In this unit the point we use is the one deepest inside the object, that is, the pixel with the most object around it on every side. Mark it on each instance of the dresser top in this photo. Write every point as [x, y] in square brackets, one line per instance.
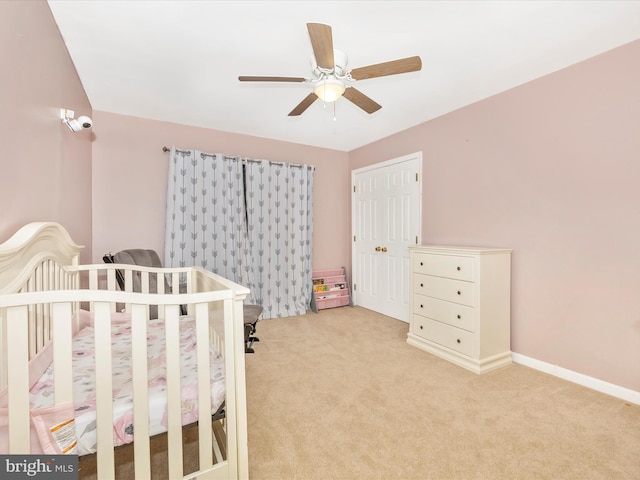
[460, 249]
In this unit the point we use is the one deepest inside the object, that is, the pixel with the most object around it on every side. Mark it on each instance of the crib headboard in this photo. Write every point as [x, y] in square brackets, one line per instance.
[39, 256]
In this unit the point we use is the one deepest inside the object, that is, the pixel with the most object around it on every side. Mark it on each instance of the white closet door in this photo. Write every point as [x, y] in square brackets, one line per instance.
[386, 220]
[368, 221]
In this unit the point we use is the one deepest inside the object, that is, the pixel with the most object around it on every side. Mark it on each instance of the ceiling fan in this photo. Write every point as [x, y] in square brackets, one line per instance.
[330, 74]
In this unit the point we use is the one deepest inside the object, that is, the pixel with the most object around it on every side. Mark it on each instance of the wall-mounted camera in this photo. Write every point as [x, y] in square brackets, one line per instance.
[75, 124]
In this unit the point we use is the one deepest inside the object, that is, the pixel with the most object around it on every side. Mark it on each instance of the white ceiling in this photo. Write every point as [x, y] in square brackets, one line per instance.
[179, 61]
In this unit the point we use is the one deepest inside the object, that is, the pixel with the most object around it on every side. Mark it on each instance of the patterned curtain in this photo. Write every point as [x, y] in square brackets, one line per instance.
[247, 220]
[280, 228]
[206, 217]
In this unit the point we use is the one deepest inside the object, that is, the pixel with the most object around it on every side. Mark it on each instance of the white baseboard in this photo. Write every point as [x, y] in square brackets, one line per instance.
[575, 377]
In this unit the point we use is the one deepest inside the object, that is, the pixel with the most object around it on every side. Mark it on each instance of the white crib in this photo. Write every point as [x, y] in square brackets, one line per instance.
[45, 300]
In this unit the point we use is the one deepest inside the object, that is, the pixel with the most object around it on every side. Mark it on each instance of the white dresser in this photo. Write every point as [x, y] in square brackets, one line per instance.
[460, 305]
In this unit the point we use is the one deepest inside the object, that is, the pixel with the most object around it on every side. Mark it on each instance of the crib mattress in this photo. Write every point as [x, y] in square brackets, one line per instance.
[85, 378]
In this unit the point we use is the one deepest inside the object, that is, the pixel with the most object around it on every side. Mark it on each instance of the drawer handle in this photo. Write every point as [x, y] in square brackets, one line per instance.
[459, 292]
[458, 340]
[421, 327]
[421, 264]
[459, 317]
[422, 284]
[458, 268]
[421, 306]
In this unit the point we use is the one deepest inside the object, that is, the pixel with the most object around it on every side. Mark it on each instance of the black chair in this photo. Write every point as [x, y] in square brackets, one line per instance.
[252, 314]
[145, 258]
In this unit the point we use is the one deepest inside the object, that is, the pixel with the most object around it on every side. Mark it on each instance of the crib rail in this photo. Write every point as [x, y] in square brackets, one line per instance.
[44, 311]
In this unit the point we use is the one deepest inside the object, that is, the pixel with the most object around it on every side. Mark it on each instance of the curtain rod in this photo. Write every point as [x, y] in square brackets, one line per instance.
[165, 149]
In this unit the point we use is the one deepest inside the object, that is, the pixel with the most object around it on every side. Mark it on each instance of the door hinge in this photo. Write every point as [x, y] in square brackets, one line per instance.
[354, 189]
[354, 238]
[354, 287]
[416, 239]
[416, 176]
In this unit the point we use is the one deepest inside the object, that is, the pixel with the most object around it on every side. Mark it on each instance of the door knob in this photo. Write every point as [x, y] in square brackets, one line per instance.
[384, 249]
[378, 249]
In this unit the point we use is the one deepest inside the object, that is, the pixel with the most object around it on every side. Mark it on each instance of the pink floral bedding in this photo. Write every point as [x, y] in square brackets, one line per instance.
[84, 385]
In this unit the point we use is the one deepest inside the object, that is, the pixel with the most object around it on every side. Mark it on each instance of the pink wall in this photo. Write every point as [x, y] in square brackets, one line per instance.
[550, 169]
[46, 169]
[130, 181]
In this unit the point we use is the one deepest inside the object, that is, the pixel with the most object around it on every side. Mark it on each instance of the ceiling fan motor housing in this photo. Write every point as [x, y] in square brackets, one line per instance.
[340, 65]
[340, 61]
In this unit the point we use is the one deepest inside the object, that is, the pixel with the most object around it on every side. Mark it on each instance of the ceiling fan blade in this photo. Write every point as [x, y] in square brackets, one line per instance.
[322, 43]
[361, 100]
[303, 105]
[270, 79]
[404, 65]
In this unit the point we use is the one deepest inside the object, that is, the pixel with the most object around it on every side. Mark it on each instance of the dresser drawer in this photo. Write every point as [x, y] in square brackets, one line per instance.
[451, 337]
[444, 288]
[454, 314]
[449, 266]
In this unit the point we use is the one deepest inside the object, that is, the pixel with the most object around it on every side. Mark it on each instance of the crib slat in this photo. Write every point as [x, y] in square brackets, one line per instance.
[46, 308]
[93, 283]
[93, 279]
[111, 279]
[34, 336]
[62, 359]
[238, 454]
[144, 282]
[204, 388]
[160, 290]
[104, 391]
[33, 345]
[39, 309]
[142, 450]
[18, 377]
[175, 282]
[128, 286]
[174, 408]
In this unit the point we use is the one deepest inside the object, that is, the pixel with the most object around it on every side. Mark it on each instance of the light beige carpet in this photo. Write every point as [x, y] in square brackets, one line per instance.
[340, 395]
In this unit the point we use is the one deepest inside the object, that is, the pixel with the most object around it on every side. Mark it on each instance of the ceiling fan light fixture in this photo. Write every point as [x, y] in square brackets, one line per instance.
[328, 89]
